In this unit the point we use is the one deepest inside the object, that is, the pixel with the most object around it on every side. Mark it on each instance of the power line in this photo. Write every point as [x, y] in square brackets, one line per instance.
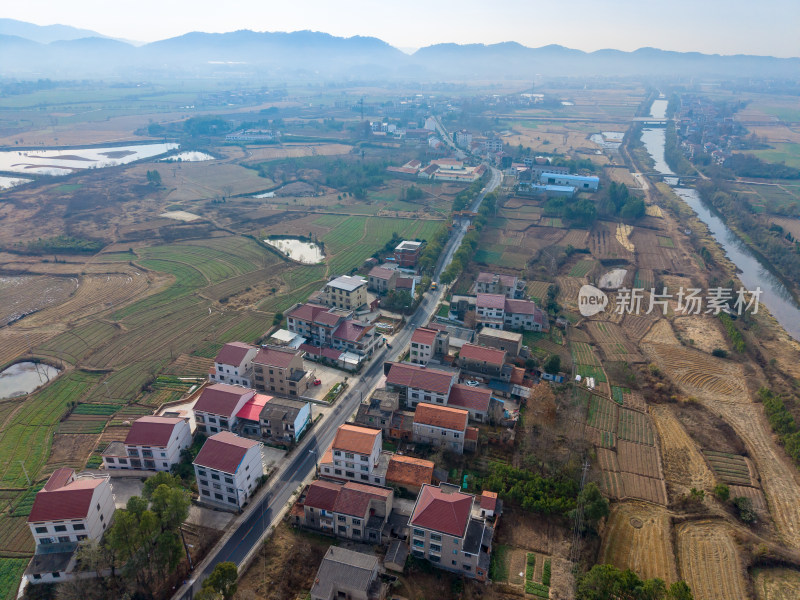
[577, 532]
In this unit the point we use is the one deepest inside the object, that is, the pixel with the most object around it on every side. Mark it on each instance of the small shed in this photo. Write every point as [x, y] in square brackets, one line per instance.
[396, 556]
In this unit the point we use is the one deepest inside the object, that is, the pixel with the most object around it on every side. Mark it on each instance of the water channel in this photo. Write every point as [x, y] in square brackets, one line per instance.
[753, 273]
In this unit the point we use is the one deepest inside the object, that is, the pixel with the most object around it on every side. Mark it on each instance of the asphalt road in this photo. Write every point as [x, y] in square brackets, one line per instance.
[261, 516]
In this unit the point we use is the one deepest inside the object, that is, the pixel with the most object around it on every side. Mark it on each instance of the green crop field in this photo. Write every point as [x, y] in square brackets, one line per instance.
[23, 507]
[27, 437]
[581, 268]
[76, 343]
[95, 409]
[488, 257]
[11, 570]
[591, 371]
[582, 354]
[665, 242]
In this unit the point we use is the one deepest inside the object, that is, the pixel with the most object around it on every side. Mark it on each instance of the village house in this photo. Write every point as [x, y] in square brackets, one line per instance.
[248, 416]
[355, 454]
[406, 253]
[69, 508]
[284, 420]
[227, 469]
[489, 310]
[281, 371]
[417, 384]
[346, 574]
[408, 473]
[482, 360]
[217, 407]
[152, 443]
[524, 314]
[447, 529]
[441, 426]
[478, 402]
[348, 509]
[427, 343]
[508, 341]
[234, 365]
[316, 323]
[507, 285]
[381, 279]
[347, 292]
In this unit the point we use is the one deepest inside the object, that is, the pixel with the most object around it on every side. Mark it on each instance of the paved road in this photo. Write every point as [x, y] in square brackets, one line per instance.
[303, 462]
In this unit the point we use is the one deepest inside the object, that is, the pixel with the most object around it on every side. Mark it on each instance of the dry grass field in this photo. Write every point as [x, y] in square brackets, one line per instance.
[776, 584]
[683, 463]
[709, 561]
[638, 536]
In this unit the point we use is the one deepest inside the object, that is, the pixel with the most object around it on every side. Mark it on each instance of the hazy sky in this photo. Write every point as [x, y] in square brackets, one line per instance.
[710, 26]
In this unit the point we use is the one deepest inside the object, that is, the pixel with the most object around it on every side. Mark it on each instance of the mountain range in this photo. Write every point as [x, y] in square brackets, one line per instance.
[63, 52]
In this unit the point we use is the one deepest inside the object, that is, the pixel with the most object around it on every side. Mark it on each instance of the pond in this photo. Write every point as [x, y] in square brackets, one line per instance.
[305, 252]
[63, 161]
[24, 377]
[188, 156]
[608, 139]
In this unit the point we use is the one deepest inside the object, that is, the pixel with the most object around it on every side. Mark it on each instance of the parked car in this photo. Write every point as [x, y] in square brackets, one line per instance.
[317, 382]
[388, 345]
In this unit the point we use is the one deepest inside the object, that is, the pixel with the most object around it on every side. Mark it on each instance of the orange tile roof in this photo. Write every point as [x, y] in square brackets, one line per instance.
[405, 470]
[492, 356]
[441, 416]
[352, 438]
[423, 335]
[488, 500]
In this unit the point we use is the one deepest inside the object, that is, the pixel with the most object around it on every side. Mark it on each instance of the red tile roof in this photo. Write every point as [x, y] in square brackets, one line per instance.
[59, 500]
[441, 416]
[322, 494]
[488, 500]
[423, 335]
[469, 398]
[381, 273]
[351, 331]
[233, 353]
[517, 375]
[221, 399]
[404, 283]
[352, 438]
[490, 301]
[422, 378]
[328, 318]
[272, 357]
[405, 470]
[520, 307]
[224, 452]
[445, 512]
[492, 356]
[485, 277]
[252, 408]
[306, 312]
[152, 431]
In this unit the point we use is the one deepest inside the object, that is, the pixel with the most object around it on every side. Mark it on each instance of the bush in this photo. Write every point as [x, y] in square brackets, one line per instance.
[722, 492]
[719, 353]
[744, 508]
[546, 573]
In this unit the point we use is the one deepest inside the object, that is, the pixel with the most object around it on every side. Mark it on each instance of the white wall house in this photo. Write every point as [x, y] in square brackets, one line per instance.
[227, 469]
[68, 509]
[355, 455]
[440, 426]
[217, 407]
[234, 364]
[153, 443]
[419, 384]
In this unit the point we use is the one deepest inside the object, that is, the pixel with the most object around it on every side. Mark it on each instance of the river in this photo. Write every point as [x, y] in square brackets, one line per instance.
[753, 273]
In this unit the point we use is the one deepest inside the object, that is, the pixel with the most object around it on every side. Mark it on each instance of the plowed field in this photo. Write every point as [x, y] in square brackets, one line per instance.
[683, 463]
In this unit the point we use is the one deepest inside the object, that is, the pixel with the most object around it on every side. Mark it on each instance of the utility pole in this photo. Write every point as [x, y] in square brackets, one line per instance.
[577, 532]
[24, 470]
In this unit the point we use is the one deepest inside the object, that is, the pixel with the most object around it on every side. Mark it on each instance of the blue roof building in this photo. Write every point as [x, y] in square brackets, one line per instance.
[581, 183]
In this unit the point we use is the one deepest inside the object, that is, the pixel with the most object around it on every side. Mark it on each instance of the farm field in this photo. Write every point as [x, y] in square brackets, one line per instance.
[709, 561]
[20, 295]
[638, 536]
[613, 342]
[683, 462]
[776, 584]
[11, 570]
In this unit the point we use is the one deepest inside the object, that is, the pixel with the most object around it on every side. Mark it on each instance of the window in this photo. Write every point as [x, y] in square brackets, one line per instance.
[434, 558]
[101, 517]
[419, 532]
[60, 528]
[78, 527]
[230, 490]
[37, 576]
[80, 538]
[436, 548]
[205, 492]
[341, 519]
[232, 500]
[435, 537]
[228, 480]
[41, 530]
[98, 506]
[215, 477]
[365, 478]
[364, 468]
[349, 455]
[63, 539]
[456, 435]
[218, 496]
[419, 543]
[357, 532]
[356, 521]
[56, 574]
[467, 568]
[217, 486]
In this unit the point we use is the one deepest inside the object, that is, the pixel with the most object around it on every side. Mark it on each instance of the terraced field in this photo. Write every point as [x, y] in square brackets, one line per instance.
[683, 462]
[637, 536]
[709, 561]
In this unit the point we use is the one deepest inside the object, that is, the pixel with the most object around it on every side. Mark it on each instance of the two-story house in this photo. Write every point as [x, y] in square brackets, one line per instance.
[447, 530]
[441, 426]
[347, 509]
[524, 314]
[347, 292]
[355, 454]
[356, 337]
[490, 310]
[347, 575]
[478, 402]
[234, 364]
[153, 443]
[407, 253]
[381, 279]
[509, 341]
[281, 371]
[481, 360]
[417, 383]
[68, 509]
[249, 416]
[284, 420]
[316, 323]
[217, 407]
[227, 470]
[492, 283]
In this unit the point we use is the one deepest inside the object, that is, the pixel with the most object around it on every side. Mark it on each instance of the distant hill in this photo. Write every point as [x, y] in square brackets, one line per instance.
[44, 34]
[309, 55]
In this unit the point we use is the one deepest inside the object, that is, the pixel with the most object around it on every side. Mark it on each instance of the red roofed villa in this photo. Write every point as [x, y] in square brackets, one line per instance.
[153, 443]
[227, 469]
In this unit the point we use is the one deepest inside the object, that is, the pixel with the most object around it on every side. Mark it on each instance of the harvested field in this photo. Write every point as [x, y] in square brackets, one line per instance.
[582, 354]
[644, 488]
[706, 428]
[638, 536]
[538, 289]
[604, 245]
[71, 451]
[683, 462]
[15, 537]
[638, 459]
[623, 236]
[755, 495]
[709, 561]
[634, 401]
[29, 294]
[613, 343]
[282, 151]
[636, 326]
[16, 341]
[644, 279]
[698, 373]
[568, 288]
[705, 332]
[777, 584]
[577, 238]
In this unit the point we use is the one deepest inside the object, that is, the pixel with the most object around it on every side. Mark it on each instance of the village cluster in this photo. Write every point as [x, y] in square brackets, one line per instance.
[461, 372]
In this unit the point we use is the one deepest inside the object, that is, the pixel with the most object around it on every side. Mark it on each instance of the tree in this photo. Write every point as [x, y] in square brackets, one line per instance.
[722, 492]
[595, 506]
[154, 178]
[606, 582]
[160, 478]
[744, 507]
[679, 591]
[553, 364]
[223, 580]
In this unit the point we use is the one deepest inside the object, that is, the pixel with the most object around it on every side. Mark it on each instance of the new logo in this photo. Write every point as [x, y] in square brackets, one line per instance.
[591, 300]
